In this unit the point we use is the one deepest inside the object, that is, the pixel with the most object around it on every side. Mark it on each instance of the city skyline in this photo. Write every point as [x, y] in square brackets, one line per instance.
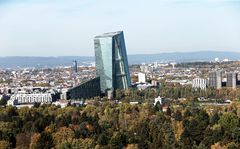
[69, 79]
[61, 28]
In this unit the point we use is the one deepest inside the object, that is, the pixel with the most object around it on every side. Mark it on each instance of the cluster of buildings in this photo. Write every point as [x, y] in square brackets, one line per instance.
[62, 77]
[111, 73]
[216, 80]
[149, 75]
[31, 85]
[112, 70]
[199, 75]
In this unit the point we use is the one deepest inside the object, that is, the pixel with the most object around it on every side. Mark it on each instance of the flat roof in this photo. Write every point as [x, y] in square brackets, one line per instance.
[110, 34]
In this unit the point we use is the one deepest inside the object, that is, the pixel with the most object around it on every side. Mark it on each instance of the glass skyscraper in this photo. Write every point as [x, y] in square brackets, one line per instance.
[111, 61]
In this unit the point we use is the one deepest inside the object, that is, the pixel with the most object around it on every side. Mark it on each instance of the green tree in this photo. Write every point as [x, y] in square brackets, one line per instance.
[169, 111]
[158, 107]
[118, 140]
[178, 115]
[103, 139]
[5, 144]
[187, 113]
[43, 141]
[214, 118]
[230, 122]
[232, 145]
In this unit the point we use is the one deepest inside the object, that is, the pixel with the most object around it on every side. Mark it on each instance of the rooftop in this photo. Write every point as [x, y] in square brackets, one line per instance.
[110, 34]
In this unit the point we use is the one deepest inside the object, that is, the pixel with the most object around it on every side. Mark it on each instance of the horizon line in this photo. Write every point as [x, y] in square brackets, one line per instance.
[127, 54]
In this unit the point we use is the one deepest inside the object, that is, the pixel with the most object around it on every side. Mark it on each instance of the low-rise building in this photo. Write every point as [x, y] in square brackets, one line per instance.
[158, 99]
[61, 103]
[143, 86]
[199, 83]
[141, 78]
[19, 99]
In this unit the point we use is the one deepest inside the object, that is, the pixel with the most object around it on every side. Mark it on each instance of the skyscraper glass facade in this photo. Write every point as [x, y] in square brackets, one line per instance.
[86, 90]
[111, 61]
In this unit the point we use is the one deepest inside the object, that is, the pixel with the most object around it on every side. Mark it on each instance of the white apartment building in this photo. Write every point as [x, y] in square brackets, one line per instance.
[19, 99]
[199, 83]
[141, 78]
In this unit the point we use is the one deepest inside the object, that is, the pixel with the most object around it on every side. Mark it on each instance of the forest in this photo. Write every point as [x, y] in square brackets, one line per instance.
[111, 125]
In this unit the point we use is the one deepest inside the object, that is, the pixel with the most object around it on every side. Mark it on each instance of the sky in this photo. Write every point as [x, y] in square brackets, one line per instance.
[68, 27]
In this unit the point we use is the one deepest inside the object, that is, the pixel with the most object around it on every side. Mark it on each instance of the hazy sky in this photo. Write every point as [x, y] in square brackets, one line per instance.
[67, 27]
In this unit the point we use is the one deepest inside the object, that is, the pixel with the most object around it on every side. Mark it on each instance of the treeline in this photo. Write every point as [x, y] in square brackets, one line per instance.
[116, 126]
[176, 91]
[137, 95]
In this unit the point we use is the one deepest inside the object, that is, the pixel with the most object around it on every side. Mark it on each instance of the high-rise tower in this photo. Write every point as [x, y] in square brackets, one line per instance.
[75, 66]
[232, 79]
[111, 61]
[215, 79]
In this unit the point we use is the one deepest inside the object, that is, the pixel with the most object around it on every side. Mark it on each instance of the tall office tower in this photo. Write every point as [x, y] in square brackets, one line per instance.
[111, 61]
[232, 80]
[75, 66]
[215, 79]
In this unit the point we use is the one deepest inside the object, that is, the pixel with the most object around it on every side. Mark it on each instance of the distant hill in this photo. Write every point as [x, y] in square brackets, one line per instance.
[184, 56]
[15, 62]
